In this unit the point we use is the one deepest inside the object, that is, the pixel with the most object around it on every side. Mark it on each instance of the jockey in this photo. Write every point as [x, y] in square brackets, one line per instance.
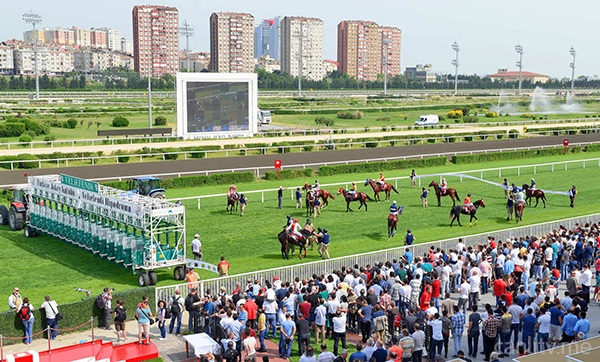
[352, 191]
[394, 209]
[317, 186]
[295, 229]
[532, 185]
[444, 186]
[232, 190]
[311, 191]
[381, 179]
[468, 203]
[521, 197]
[289, 221]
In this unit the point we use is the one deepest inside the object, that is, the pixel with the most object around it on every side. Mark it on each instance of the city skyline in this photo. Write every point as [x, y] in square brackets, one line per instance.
[487, 33]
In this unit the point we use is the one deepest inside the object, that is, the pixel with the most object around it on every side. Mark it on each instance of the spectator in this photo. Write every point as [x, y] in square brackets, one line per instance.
[437, 338]
[280, 196]
[325, 356]
[324, 245]
[120, 314]
[15, 300]
[25, 312]
[342, 357]
[197, 247]
[582, 326]
[419, 338]
[298, 198]
[408, 344]
[107, 299]
[516, 312]
[303, 329]
[262, 329]
[380, 353]
[177, 308]
[223, 267]
[250, 344]
[339, 331]
[504, 331]
[143, 315]
[490, 325]
[473, 331]
[288, 330]
[231, 354]
[458, 325]
[51, 309]
[191, 306]
[359, 355]
[543, 327]
[529, 323]
[409, 238]
[309, 355]
[160, 319]
[365, 321]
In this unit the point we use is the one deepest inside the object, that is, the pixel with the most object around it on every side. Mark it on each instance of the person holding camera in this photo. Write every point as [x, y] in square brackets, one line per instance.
[143, 315]
[120, 314]
[107, 300]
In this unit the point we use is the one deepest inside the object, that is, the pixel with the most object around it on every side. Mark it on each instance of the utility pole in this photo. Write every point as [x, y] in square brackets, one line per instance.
[150, 94]
[300, 39]
[187, 31]
[456, 49]
[519, 50]
[34, 18]
[385, 75]
[574, 54]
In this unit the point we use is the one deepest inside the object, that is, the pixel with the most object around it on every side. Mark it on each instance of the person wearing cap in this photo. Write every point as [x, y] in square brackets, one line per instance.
[324, 245]
[506, 188]
[243, 203]
[532, 187]
[192, 278]
[409, 238]
[468, 204]
[197, 247]
[572, 193]
[317, 207]
[510, 206]
[413, 179]
[317, 185]
[280, 196]
[15, 299]
[298, 198]
[310, 229]
[424, 193]
[223, 267]
[381, 180]
[295, 229]
[394, 209]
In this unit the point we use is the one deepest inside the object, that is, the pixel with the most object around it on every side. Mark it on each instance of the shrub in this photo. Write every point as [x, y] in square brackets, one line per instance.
[122, 158]
[441, 117]
[120, 121]
[12, 129]
[491, 114]
[71, 123]
[160, 121]
[322, 121]
[371, 144]
[25, 138]
[380, 166]
[513, 133]
[455, 114]
[383, 119]
[511, 155]
[350, 115]
[471, 119]
[25, 158]
[282, 147]
[308, 148]
[289, 174]
[526, 115]
[7, 158]
[172, 156]
[50, 138]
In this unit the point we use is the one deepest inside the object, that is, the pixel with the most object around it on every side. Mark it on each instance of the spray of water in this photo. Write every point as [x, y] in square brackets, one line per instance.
[570, 105]
[539, 101]
[503, 105]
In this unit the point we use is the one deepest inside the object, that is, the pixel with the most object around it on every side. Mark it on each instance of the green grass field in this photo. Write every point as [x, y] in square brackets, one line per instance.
[45, 265]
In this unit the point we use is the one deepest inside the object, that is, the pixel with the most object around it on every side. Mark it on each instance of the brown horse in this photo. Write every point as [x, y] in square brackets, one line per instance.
[461, 209]
[287, 241]
[519, 207]
[323, 194]
[386, 187]
[448, 192]
[530, 194]
[359, 196]
[232, 201]
[392, 223]
[310, 203]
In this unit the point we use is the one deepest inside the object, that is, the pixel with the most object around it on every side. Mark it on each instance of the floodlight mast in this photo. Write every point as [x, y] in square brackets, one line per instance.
[572, 65]
[456, 49]
[187, 31]
[34, 18]
[519, 50]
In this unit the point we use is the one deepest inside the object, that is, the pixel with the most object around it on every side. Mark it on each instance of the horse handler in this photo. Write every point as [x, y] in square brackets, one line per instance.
[510, 206]
[572, 194]
[324, 245]
[424, 197]
[243, 203]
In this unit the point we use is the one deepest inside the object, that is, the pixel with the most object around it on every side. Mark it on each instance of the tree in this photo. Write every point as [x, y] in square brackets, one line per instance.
[82, 81]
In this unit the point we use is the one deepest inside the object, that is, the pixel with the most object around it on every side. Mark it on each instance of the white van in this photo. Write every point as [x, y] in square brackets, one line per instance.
[428, 120]
[264, 116]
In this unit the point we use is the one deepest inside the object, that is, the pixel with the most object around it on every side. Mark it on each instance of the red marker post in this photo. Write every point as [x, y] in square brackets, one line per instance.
[277, 167]
[566, 144]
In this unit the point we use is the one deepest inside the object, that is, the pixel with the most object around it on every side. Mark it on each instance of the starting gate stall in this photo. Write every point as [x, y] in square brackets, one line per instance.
[139, 232]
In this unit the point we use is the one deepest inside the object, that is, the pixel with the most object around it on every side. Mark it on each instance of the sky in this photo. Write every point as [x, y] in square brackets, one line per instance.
[486, 31]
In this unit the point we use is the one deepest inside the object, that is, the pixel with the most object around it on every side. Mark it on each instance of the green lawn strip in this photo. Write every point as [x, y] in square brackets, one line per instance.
[45, 265]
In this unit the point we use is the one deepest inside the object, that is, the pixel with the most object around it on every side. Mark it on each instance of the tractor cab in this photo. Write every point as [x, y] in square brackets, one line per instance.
[15, 215]
[147, 186]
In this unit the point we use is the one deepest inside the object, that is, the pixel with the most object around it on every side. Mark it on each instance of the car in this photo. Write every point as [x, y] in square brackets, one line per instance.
[428, 120]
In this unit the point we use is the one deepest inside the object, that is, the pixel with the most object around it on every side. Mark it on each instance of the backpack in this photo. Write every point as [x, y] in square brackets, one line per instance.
[189, 303]
[100, 302]
[121, 314]
[24, 313]
[168, 314]
[175, 307]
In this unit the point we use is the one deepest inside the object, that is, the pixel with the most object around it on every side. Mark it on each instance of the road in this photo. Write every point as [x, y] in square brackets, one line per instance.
[107, 149]
[228, 164]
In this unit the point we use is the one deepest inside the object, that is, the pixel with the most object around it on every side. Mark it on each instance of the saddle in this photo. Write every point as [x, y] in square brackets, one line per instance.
[468, 208]
[354, 196]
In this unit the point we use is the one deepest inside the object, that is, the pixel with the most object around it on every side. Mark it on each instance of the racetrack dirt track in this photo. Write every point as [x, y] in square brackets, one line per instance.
[230, 163]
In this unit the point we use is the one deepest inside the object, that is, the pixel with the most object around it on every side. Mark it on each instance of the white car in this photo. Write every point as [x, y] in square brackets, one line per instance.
[428, 120]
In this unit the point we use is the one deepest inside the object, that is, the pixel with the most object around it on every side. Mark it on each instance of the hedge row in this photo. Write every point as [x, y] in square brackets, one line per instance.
[75, 314]
[288, 174]
[381, 166]
[511, 155]
[382, 109]
[195, 181]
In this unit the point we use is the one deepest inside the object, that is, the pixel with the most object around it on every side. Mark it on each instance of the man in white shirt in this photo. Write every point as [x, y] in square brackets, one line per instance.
[51, 309]
[465, 290]
[586, 282]
[325, 355]
[543, 326]
[474, 283]
[197, 247]
[446, 274]
[339, 331]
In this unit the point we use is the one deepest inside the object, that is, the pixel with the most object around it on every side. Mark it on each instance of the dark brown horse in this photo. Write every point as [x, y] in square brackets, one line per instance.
[287, 240]
[530, 194]
[462, 209]
[359, 196]
[310, 203]
[323, 194]
[386, 187]
[392, 223]
[448, 192]
[232, 201]
[519, 207]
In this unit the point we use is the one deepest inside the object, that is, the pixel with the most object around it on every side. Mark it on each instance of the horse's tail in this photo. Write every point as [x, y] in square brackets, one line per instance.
[456, 194]
[396, 191]
[451, 212]
[368, 198]
[544, 196]
[329, 194]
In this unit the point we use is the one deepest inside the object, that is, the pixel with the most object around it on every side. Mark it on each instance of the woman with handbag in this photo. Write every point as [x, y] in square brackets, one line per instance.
[143, 314]
[160, 319]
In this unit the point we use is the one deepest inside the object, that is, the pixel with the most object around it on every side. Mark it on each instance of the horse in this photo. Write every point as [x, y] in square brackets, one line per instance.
[449, 192]
[392, 223]
[323, 194]
[386, 187]
[538, 194]
[310, 203]
[232, 201]
[461, 209]
[287, 240]
[519, 207]
[359, 196]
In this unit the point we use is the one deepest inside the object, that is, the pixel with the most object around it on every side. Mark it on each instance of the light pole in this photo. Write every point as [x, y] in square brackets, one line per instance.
[386, 42]
[519, 50]
[150, 94]
[34, 18]
[187, 31]
[300, 39]
[456, 48]
[572, 65]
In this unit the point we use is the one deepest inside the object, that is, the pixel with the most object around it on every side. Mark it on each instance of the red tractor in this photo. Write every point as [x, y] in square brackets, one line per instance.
[16, 214]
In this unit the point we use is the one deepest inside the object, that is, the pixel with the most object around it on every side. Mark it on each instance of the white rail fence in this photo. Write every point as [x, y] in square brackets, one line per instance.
[306, 270]
[282, 149]
[553, 165]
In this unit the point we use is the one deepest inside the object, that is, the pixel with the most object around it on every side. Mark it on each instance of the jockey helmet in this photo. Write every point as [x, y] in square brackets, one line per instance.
[469, 195]
[532, 180]
[381, 173]
[288, 217]
[408, 231]
[242, 195]
[308, 221]
[316, 181]
[443, 179]
[295, 220]
[394, 202]
[325, 231]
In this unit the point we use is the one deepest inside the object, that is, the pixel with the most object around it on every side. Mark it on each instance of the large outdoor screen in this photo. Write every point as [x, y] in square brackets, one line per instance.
[217, 106]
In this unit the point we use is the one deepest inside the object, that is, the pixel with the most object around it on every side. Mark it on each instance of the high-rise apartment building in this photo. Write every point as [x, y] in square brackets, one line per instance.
[98, 38]
[126, 46]
[363, 47]
[156, 40]
[113, 38]
[232, 42]
[266, 38]
[83, 37]
[302, 46]
[40, 36]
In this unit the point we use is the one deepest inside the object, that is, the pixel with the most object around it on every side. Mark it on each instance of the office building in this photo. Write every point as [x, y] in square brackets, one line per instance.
[266, 38]
[513, 76]
[421, 73]
[156, 40]
[302, 46]
[232, 42]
